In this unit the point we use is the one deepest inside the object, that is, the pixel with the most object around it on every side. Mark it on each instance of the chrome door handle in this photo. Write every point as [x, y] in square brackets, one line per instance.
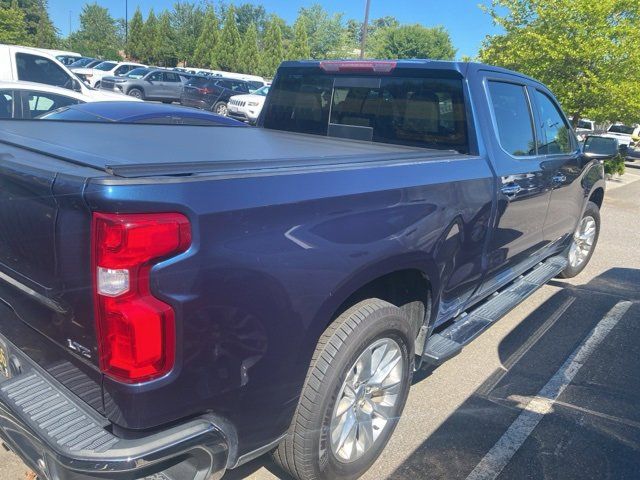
[559, 179]
[511, 190]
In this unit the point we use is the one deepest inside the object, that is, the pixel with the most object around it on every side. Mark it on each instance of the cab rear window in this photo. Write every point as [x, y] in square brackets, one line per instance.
[423, 112]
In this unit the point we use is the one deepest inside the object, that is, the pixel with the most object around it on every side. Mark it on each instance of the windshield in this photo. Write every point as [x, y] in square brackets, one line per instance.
[137, 73]
[105, 66]
[264, 91]
[621, 129]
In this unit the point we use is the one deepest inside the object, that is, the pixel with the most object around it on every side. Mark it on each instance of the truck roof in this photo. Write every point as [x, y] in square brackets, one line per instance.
[463, 69]
[137, 150]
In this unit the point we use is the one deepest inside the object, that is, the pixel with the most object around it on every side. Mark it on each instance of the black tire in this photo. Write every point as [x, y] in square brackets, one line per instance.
[305, 452]
[136, 93]
[220, 108]
[592, 211]
[167, 102]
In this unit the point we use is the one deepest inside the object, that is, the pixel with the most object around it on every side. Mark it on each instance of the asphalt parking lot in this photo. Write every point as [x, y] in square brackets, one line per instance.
[549, 392]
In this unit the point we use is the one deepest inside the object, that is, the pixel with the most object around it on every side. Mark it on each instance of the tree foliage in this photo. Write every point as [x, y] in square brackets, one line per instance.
[167, 52]
[249, 53]
[273, 51]
[327, 35]
[135, 42]
[13, 26]
[98, 33]
[587, 52]
[230, 41]
[150, 39]
[187, 21]
[414, 41]
[299, 48]
[248, 15]
[204, 54]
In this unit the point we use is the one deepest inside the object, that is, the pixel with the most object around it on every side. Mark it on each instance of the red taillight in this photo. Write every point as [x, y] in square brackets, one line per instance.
[351, 66]
[205, 91]
[136, 331]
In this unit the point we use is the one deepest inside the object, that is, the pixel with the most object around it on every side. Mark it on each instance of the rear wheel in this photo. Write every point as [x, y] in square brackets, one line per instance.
[354, 394]
[221, 109]
[584, 242]
[136, 93]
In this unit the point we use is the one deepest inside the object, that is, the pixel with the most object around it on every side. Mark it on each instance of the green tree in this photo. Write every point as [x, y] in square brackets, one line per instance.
[166, 41]
[249, 54]
[414, 41]
[227, 52]
[36, 16]
[187, 22]
[13, 27]
[586, 51]
[204, 55]
[273, 51]
[46, 34]
[299, 48]
[135, 46]
[327, 36]
[248, 14]
[98, 33]
[149, 52]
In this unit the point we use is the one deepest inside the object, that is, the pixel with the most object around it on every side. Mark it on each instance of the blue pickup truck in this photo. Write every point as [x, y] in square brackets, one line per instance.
[178, 300]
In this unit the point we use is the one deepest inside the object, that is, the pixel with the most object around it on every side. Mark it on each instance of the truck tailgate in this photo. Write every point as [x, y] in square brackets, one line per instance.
[45, 283]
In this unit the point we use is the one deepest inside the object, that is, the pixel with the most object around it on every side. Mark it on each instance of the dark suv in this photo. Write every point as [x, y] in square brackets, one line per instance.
[212, 93]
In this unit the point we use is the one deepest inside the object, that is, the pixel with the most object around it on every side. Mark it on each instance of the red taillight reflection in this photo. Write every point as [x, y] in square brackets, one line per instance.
[205, 91]
[136, 331]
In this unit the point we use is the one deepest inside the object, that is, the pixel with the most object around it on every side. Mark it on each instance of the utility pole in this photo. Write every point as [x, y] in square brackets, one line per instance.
[365, 29]
[126, 22]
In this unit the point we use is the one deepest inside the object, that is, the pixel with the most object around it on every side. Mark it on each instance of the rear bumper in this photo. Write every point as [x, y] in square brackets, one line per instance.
[60, 438]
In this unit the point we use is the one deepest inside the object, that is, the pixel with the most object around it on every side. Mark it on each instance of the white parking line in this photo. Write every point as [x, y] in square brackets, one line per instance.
[501, 453]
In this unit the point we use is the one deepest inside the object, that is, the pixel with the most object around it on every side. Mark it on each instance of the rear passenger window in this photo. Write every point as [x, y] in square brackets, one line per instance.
[42, 102]
[556, 136]
[513, 118]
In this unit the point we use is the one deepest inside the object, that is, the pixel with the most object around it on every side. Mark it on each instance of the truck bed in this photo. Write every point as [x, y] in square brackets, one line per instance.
[133, 151]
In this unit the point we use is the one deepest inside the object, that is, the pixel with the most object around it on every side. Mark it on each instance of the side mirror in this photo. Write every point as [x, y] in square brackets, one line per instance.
[601, 148]
[75, 86]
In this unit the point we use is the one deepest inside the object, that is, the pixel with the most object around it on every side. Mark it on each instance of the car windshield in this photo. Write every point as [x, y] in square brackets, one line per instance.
[584, 124]
[137, 73]
[264, 91]
[621, 129]
[105, 66]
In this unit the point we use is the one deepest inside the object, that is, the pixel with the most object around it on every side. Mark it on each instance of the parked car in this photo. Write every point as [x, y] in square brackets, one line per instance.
[93, 76]
[247, 108]
[24, 100]
[585, 127]
[139, 112]
[178, 301]
[149, 84]
[211, 93]
[624, 133]
[85, 62]
[64, 57]
[34, 65]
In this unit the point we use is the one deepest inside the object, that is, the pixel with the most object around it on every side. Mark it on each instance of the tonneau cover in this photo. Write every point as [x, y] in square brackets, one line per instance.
[129, 150]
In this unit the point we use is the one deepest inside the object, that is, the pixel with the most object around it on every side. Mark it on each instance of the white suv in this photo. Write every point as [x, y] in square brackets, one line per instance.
[247, 108]
[93, 76]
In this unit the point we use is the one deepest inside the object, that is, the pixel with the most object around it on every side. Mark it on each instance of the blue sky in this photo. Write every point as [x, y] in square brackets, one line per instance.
[465, 21]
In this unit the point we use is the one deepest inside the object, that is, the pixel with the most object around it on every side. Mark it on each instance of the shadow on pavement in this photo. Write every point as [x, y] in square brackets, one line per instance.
[594, 428]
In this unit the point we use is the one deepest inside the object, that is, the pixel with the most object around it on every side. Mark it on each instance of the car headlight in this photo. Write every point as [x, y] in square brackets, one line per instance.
[253, 104]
